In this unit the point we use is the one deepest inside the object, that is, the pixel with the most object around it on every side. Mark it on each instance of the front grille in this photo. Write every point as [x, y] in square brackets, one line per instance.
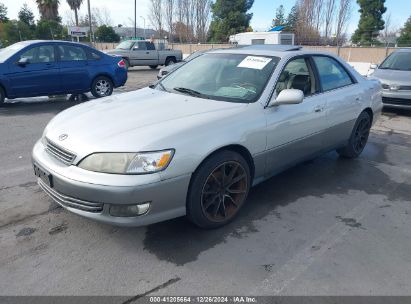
[71, 202]
[60, 153]
[397, 101]
[400, 88]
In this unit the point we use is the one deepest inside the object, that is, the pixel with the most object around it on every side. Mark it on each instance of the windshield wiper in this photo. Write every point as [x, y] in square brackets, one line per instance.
[190, 92]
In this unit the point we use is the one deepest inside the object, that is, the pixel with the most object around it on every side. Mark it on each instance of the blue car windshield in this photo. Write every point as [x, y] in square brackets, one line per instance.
[9, 51]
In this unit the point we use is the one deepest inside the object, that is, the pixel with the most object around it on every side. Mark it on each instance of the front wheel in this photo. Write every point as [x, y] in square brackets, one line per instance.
[218, 190]
[102, 86]
[359, 137]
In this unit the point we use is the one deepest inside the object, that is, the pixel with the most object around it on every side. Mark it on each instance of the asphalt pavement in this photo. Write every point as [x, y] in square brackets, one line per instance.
[325, 227]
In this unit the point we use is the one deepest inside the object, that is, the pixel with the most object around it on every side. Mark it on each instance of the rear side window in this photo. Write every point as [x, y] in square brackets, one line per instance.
[72, 53]
[40, 54]
[93, 55]
[332, 74]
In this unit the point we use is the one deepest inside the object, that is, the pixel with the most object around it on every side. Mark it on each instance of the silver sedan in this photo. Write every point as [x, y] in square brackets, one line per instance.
[395, 75]
[193, 146]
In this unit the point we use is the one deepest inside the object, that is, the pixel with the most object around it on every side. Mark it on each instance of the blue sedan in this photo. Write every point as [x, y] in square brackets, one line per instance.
[41, 68]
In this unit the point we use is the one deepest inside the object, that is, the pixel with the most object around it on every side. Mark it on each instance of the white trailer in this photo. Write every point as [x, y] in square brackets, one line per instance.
[250, 38]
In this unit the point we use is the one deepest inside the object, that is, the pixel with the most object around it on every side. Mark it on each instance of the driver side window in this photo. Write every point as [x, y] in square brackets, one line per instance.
[40, 54]
[297, 74]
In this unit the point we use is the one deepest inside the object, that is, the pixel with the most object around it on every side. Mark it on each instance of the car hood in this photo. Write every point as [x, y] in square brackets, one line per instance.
[392, 76]
[132, 121]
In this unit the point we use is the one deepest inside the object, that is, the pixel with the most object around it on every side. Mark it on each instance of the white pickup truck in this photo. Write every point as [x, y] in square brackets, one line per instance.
[144, 53]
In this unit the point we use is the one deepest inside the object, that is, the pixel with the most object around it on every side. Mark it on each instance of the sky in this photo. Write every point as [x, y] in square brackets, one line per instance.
[121, 11]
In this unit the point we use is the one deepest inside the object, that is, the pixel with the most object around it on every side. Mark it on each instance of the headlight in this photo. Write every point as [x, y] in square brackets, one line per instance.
[127, 163]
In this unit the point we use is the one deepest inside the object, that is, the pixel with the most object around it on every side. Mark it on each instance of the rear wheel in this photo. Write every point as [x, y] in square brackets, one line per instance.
[359, 137]
[2, 96]
[218, 190]
[153, 67]
[102, 86]
[170, 61]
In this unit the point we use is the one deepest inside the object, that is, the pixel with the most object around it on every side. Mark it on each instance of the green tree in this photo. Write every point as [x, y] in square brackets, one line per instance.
[26, 15]
[3, 13]
[229, 17]
[279, 17]
[371, 22]
[106, 33]
[405, 38]
[75, 6]
[50, 30]
[292, 19]
[49, 9]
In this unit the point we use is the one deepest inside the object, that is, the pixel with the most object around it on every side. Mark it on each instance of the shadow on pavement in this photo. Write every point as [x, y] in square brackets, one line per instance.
[28, 107]
[179, 242]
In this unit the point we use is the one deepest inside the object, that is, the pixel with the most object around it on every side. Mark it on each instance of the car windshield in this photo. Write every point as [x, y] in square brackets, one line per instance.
[9, 51]
[125, 45]
[226, 77]
[398, 61]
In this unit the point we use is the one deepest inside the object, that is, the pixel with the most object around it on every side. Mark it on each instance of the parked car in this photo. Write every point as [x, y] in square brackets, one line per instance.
[40, 68]
[144, 53]
[195, 145]
[395, 75]
[168, 69]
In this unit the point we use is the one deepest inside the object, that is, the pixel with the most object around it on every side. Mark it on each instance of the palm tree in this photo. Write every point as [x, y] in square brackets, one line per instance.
[49, 9]
[75, 6]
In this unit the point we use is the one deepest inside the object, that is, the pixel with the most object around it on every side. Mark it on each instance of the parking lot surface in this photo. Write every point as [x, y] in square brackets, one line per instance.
[326, 227]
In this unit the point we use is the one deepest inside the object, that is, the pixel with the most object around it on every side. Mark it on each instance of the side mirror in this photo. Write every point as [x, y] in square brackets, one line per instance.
[23, 62]
[373, 66]
[289, 96]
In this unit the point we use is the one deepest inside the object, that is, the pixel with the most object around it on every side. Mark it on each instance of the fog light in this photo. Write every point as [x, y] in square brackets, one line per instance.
[129, 210]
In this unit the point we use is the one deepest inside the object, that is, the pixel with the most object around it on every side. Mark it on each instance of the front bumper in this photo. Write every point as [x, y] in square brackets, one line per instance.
[397, 99]
[93, 200]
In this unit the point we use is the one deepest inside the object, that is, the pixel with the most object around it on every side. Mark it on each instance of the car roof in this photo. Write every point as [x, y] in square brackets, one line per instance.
[30, 42]
[280, 51]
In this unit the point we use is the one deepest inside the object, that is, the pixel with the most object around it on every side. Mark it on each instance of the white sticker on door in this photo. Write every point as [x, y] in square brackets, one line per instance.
[254, 62]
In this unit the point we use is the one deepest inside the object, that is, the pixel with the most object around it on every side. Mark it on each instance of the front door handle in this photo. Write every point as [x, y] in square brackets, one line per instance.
[147, 53]
[318, 109]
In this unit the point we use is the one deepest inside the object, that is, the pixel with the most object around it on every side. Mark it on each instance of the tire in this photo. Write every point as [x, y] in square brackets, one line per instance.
[78, 98]
[170, 61]
[359, 137]
[210, 204]
[153, 67]
[102, 86]
[2, 96]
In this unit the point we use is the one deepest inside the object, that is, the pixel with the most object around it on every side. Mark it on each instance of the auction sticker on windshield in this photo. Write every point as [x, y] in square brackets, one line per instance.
[253, 62]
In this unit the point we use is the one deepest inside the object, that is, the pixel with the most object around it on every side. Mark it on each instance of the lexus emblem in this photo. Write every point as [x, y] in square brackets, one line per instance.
[63, 137]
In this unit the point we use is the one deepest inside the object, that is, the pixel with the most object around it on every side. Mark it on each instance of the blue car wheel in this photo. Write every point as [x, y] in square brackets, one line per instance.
[102, 86]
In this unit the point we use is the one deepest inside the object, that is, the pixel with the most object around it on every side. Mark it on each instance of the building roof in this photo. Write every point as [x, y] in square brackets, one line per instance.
[278, 28]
